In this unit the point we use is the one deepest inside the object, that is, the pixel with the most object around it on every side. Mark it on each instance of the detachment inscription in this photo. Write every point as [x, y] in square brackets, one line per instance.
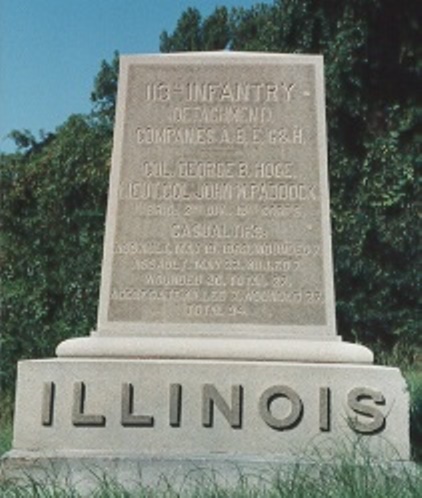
[219, 201]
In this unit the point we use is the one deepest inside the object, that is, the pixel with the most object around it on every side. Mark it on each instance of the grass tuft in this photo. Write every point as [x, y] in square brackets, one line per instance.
[6, 423]
[342, 479]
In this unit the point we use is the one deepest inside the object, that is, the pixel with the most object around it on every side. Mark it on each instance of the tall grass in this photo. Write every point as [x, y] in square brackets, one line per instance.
[6, 422]
[343, 479]
[414, 382]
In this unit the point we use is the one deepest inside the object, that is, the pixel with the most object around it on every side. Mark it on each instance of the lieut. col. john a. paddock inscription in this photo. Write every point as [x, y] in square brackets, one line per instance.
[219, 202]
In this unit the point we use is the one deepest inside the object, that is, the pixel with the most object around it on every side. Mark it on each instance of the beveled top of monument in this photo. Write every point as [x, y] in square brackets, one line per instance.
[218, 215]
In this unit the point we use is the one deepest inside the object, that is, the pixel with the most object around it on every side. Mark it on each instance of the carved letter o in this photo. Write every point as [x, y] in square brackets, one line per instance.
[296, 412]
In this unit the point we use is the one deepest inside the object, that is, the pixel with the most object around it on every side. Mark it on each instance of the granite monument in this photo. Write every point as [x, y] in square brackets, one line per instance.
[216, 333]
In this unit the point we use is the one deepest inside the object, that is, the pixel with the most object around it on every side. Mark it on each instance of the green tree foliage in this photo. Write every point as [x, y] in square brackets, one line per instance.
[53, 206]
[192, 33]
[104, 93]
[23, 139]
[370, 52]
[54, 188]
[187, 36]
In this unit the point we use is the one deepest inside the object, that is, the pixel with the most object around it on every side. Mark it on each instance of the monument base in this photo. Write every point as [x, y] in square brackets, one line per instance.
[184, 408]
[131, 421]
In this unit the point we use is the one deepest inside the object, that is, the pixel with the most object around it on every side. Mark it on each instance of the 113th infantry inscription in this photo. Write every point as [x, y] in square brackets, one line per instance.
[219, 196]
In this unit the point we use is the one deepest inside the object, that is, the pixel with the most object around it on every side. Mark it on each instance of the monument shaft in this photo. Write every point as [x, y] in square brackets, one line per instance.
[219, 200]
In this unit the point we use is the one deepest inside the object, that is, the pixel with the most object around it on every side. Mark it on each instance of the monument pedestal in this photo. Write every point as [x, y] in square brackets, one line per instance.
[147, 420]
[188, 408]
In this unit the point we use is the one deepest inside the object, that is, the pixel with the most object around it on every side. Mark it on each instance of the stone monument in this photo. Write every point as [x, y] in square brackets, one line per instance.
[216, 334]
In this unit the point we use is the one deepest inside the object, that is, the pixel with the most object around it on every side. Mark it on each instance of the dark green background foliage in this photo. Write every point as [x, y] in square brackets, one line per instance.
[53, 206]
[54, 189]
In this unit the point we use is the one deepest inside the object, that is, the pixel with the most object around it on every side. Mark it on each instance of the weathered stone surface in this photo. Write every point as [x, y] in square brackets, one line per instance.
[218, 210]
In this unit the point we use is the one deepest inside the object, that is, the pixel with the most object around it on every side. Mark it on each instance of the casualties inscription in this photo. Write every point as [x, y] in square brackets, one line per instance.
[218, 198]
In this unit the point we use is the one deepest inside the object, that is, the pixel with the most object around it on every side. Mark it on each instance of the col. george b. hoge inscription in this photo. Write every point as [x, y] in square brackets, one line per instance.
[220, 197]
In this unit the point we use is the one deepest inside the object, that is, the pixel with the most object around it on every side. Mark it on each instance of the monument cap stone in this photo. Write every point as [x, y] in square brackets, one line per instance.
[218, 232]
